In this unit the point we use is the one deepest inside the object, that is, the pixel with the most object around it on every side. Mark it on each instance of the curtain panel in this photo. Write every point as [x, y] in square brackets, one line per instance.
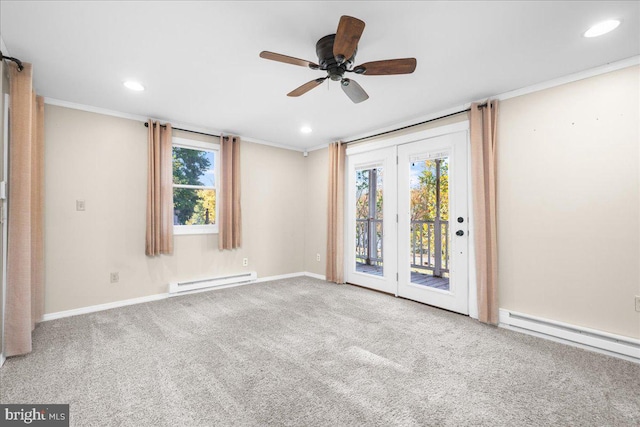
[483, 126]
[335, 213]
[24, 305]
[159, 234]
[229, 224]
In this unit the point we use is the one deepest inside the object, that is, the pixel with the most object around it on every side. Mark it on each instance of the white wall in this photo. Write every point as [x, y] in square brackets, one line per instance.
[568, 203]
[315, 236]
[102, 160]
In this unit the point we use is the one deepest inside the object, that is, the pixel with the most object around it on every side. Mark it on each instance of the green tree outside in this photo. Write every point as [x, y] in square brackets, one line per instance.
[188, 166]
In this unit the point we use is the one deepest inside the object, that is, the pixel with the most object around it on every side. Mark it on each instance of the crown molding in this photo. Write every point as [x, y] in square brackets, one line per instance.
[186, 126]
[570, 78]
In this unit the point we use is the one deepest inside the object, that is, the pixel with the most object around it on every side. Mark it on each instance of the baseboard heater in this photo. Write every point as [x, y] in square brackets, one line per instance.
[595, 339]
[216, 282]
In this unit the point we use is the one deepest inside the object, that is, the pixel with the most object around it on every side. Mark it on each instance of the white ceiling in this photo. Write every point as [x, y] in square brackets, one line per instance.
[200, 66]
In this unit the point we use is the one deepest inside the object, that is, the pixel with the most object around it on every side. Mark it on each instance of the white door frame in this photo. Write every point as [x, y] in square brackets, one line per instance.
[414, 137]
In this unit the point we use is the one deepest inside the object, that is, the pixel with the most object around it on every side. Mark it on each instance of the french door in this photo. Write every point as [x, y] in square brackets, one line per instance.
[371, 236]
[432, 222]
[408, 223]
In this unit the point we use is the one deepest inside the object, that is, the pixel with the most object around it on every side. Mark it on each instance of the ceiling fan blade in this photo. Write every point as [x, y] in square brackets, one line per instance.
[354, 91]
[288, 59]
[347, 37]
[306, 87]
[385, 68]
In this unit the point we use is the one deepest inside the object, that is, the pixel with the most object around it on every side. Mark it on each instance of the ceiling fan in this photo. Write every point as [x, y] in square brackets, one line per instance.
[336, 55]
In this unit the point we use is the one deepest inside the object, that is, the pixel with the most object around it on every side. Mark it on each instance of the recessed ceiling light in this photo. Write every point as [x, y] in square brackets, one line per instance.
[129, 84]
[305, 129]
[602, 28]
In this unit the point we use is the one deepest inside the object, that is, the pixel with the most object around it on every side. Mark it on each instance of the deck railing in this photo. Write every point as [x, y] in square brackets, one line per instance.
[429, 249]
[369, 251]
[429, 241]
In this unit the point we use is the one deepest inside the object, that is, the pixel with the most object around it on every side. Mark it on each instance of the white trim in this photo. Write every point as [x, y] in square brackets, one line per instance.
[98, 110]
[279, 277]
[315, 276]
[318, 147]
[581, 75]
[272, 144]
[2, 359]
[410, 137]
[577, 336]
[186, 230]
[157, 297]
[107, 112]
[102, 307]
[4, 49]
[472, 275]
[195, 144]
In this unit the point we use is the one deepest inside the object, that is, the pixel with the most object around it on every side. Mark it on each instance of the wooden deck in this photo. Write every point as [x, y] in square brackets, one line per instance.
[416, 278]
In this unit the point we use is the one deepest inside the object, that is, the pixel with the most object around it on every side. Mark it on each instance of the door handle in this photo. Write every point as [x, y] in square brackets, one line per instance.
[459, 233]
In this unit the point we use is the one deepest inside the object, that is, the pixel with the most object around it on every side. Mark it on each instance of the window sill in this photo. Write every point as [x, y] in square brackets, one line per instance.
[179, 230]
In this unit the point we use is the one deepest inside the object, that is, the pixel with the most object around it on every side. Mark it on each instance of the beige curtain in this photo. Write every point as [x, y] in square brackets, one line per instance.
[483, 121]
[159, 238]
[335, 213]
[25, 253]
[229, 223]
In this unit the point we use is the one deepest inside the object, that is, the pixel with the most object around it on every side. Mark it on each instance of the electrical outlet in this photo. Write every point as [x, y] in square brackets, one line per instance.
[245, 262]
[115, 277]
[318, 257]
[638, 303]
[79, 205]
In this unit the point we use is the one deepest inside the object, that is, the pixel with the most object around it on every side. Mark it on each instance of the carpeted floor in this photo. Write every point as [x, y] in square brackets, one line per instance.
[303, 352]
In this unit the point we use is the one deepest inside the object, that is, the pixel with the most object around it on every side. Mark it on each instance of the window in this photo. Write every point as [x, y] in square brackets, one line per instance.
[195, 179]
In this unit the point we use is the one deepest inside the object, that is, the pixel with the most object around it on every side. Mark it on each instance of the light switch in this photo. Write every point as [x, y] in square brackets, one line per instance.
[79, 205]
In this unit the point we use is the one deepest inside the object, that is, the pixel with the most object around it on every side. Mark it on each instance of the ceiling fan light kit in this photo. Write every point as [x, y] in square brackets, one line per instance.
[336, 55]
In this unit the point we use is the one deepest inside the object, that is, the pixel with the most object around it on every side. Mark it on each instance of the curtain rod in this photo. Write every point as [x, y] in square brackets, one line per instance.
[16, 60]
[415, 124]
[146, 124]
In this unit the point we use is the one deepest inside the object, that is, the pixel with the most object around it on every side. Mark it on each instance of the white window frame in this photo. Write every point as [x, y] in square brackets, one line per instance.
[202, 146]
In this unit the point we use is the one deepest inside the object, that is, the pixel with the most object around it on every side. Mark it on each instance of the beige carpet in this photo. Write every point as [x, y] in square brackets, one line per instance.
[303, 352]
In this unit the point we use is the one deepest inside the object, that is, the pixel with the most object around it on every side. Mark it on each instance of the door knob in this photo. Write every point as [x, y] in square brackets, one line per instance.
[459, 233]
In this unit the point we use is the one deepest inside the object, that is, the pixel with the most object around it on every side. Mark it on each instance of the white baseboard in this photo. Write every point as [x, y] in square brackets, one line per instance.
[157, 297]
[279, 277]
[2, 359]
[577, 336]
[102, 307]
[315, 276]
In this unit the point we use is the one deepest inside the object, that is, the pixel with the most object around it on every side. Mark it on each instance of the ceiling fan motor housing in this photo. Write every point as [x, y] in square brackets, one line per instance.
[324, 50]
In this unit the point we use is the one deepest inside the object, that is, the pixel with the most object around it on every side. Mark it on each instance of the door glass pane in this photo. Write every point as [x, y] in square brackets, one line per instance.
[429, 252]
[369, 251]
